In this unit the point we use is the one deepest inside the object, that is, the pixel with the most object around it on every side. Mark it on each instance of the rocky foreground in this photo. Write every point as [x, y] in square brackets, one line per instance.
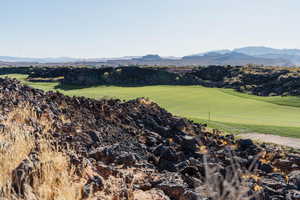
[132, 150]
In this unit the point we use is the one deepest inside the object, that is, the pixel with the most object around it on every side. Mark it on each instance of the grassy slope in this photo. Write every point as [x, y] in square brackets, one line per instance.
[251, 128]
[285, 101]
[229, 110]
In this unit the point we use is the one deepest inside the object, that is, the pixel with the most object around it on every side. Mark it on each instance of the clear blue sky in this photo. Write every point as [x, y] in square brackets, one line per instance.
[113, 28]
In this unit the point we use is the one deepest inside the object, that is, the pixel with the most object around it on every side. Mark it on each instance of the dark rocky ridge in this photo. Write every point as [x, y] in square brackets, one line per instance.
[139, 134]
[262, 81]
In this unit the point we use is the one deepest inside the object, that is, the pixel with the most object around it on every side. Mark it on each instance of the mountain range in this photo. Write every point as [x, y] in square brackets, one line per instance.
[240, 56]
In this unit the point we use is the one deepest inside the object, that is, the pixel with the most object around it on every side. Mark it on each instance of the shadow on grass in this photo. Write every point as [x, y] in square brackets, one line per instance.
[67, 87]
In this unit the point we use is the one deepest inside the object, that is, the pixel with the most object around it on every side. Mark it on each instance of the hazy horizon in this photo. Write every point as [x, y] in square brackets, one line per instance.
[124, 56]
[98, 29]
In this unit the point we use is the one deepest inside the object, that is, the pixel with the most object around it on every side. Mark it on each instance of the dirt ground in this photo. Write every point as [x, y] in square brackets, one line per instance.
[280, 140]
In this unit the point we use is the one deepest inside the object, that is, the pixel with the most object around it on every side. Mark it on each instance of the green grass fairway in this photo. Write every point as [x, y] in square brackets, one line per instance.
[229, 110]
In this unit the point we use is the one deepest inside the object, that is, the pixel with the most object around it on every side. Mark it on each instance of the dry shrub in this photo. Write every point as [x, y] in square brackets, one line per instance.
[52, 179]
[56, 178]
[25, 116]
[14, 148]
[232, 186]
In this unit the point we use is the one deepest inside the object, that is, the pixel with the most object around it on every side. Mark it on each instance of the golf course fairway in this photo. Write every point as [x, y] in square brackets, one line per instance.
[221, 108]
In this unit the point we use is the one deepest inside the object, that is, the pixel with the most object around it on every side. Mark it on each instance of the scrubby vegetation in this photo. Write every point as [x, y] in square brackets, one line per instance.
[32, 168]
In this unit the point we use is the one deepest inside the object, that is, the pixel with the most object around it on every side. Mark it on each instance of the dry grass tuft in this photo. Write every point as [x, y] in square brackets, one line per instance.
[56, 178]
[232, 186]
[52, 177]
[14, 148]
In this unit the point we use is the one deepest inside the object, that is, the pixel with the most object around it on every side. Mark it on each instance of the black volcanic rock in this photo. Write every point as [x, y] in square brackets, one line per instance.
[175, 155]
[262, 81]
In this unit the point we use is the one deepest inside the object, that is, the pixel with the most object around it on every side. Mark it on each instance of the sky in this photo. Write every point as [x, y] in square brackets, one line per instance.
[115, 28]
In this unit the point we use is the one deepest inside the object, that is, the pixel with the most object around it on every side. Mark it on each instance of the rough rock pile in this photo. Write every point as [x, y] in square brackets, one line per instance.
[131, 76]
[137, 150]
[37, 72]
[261, 81]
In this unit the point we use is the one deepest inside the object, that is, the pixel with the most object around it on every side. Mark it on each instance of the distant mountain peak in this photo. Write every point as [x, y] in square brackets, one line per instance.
[222, 51]
[261, 55]
[262, 50]
[150, 57]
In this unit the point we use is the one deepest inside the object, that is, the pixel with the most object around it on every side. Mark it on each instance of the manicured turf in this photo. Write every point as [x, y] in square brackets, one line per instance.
[251, 128]
[279, 100]
[226, 109]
